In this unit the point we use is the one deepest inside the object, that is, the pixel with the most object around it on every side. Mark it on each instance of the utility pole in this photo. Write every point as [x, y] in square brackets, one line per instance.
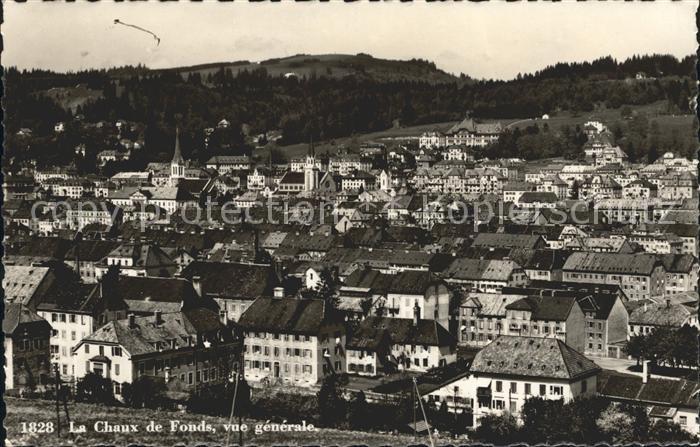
[58, 406]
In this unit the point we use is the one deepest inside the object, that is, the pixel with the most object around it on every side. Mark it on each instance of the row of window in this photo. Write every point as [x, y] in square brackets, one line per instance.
[276, 351]
[554, 390]
[286, 367]
[72, 318]
[116, 350]
[33, 344]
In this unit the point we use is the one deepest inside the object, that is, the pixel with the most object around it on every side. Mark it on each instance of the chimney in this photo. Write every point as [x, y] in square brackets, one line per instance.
[197, 285]
[645, 371]
[158, 317]
[279, 292]
[416, 314]
[132, 321]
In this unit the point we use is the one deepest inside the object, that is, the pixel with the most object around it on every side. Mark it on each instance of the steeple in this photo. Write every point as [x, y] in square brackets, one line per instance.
[177, 166]
[312, 151]
[177, 157]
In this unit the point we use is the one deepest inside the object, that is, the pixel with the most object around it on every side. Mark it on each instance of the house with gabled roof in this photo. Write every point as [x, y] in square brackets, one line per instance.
[26, 345]
[383, 345]
[512, 369]
[187, 350]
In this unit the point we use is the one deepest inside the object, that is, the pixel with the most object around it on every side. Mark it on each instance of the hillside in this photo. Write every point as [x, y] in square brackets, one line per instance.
[24, 410]
[336, 66]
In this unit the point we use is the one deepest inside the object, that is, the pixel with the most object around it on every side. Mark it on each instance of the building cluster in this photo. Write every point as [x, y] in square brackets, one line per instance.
[412, 256]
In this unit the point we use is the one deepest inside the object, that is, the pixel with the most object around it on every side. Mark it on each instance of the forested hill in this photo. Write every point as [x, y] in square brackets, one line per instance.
[326, 101]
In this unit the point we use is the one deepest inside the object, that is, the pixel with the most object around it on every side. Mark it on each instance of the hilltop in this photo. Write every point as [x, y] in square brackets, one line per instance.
[335, 66]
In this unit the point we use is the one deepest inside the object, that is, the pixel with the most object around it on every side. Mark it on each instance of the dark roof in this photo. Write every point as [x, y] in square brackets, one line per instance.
[17, 314]
[159, 290]
[547, 259]
[532, 357]
[372, 331]
[286, 316]
[293, 177]
[505, 240]
[230, 280]
[680, 393]
[550, 308]
[678, 263]
[537, 196]
[631, 264]
[91, 251]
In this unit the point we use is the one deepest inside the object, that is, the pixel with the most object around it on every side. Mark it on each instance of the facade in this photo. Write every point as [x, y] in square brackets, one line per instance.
[292, 341]
[384, 345]
[27, 359]
[187, 350]
[640, 276]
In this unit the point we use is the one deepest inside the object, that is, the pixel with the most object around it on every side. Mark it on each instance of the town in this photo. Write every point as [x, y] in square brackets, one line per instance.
[399, 266]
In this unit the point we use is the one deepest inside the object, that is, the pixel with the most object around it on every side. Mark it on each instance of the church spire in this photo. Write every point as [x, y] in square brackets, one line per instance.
[177, 157]
[312, 151]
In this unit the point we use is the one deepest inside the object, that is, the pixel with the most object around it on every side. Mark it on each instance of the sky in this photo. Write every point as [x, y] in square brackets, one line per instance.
[484, 40]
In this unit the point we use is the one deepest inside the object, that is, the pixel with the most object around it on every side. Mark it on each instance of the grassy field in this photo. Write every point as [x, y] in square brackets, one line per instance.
[24, 410]
[683, 126]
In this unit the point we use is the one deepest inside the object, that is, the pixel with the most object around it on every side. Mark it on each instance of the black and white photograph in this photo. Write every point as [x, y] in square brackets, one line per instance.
[293, 223]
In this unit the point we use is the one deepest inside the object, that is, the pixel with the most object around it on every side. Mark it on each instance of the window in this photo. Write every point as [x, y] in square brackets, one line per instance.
[72, 334]
[116, 351]
[190, 378]
[683, 420]
[527, 389]
[102, 350]
[87, 349]
[498, 404]
[499, 386]
[62, 318]
[54, 318]
[556, 390]
[116, 369]
[513, 387]
[71, 318]
[543, 390]
[584, 386]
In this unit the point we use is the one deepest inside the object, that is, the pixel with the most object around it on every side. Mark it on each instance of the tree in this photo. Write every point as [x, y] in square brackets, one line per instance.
[624, 423]
[326, 289]
[637, 347]
[144, 392]
[497, 429]
[331, 404]
[663, 431]
[357, 412]
[544, 420]
[93, 388]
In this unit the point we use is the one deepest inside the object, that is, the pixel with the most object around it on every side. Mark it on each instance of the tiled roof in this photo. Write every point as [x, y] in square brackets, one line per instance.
[532, 357]
[477, 269]
[506, 240]
[230, 280]
[148, 337]
[547, 308]
[286, 316]
[631, 264]
[16, 314]
[666, 392]
[373, 330]
[661, 314]
[21, 283]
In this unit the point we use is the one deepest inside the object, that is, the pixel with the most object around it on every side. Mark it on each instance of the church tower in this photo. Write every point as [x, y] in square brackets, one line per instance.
[310, 170]
[177, 166]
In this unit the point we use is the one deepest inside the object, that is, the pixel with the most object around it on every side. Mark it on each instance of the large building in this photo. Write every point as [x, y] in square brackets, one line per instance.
[292, 341]
[640, 276]
[187, 350]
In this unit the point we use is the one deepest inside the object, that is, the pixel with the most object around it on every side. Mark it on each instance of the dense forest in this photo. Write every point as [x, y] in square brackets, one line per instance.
[323, 107]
